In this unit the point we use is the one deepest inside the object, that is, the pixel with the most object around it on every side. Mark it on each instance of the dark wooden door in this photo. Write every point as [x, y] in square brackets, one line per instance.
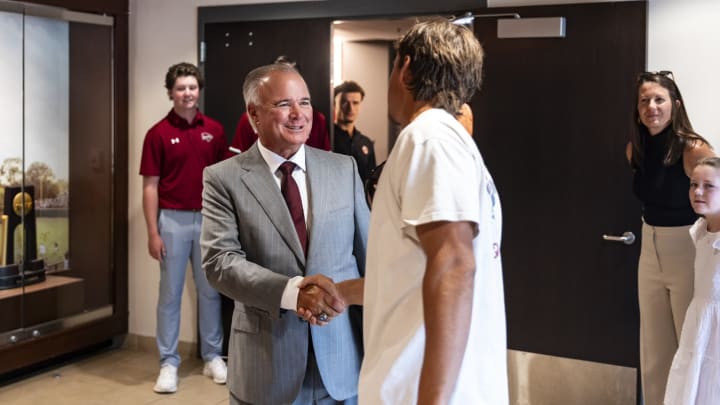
[552, 121]
[234, 49]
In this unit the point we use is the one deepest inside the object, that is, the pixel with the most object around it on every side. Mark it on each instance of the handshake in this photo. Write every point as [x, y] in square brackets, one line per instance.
[320, 299]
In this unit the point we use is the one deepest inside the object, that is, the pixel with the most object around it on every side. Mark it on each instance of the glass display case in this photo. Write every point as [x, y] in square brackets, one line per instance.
[58, 161]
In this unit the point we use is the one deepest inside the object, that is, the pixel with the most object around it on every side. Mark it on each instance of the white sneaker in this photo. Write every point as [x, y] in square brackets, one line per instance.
[216, 369]
[167, 381]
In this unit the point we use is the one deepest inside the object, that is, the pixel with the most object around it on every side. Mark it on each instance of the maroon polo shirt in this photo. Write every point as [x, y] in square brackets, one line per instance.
[177, 152]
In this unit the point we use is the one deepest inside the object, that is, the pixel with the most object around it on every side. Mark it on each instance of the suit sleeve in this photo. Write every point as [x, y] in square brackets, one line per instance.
[223, 259]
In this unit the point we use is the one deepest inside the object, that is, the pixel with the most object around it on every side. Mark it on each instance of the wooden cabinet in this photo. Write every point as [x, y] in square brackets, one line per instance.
[68, 139]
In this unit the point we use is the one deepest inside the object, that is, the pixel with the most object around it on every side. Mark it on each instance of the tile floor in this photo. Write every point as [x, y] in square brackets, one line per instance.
[120, 376]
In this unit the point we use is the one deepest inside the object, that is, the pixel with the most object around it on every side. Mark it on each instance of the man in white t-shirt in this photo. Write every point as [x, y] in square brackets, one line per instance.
[434, 316]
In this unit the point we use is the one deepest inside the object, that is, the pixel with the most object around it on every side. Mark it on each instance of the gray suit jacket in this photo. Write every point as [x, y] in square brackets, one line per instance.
[249, 251]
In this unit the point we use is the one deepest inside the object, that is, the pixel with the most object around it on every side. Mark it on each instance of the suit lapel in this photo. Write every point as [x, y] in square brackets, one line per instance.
[260, 183]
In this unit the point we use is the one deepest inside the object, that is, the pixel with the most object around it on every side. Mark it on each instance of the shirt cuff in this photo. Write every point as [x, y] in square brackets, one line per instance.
[290, 294]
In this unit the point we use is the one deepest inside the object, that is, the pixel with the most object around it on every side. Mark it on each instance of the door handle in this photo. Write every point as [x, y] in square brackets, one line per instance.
[627, 238]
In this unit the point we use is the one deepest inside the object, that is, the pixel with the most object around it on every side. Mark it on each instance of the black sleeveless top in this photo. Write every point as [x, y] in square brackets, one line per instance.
[663, 190]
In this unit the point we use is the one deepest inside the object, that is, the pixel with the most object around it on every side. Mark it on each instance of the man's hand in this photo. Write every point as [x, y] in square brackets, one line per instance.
[151, 209]
[156, 247]
[319, 295]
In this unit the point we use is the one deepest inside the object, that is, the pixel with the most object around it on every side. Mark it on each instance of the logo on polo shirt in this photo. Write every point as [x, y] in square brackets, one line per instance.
[206, 137]
[174, 140]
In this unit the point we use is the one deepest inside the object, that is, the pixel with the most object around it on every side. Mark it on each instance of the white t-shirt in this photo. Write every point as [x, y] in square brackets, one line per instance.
[434, 173]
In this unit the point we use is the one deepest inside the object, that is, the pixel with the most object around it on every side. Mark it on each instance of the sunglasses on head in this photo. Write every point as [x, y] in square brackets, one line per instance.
[665, 73]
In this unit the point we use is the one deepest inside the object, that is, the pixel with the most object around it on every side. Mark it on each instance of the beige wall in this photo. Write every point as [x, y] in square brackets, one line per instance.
[682, 37]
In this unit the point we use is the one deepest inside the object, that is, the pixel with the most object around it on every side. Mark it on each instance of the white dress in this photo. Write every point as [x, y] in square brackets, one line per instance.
[695, 373]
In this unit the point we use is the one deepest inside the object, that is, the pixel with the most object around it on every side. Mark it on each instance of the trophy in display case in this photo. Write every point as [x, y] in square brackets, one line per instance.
[19, 265]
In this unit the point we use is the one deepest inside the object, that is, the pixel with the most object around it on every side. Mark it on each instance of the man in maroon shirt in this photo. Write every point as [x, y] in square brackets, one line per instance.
[175, 152]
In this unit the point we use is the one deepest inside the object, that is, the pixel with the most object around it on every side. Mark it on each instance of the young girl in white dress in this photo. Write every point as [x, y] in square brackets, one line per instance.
[695, 373]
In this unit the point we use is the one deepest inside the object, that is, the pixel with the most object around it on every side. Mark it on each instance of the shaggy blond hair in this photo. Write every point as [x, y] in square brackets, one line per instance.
[445, 63]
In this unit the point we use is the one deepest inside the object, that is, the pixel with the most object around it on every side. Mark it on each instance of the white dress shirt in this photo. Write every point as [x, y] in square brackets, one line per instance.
[273, 160]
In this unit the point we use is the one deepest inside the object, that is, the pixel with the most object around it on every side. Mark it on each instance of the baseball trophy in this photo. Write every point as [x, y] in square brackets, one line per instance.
[19, 265]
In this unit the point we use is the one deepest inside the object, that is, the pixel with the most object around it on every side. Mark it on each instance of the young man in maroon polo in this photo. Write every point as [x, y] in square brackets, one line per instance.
[175, 152]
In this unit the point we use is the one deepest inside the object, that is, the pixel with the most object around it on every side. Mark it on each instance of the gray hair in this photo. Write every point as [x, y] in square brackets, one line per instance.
[254, 79]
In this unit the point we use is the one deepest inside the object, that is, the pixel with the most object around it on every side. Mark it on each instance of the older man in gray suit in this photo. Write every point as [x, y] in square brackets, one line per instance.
[292, 341]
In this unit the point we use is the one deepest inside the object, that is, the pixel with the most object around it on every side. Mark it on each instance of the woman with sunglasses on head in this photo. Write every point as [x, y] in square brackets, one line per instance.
[662, 151]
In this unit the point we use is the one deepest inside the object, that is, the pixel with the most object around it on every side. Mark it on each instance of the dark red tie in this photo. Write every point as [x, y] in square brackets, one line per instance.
[294, 202]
